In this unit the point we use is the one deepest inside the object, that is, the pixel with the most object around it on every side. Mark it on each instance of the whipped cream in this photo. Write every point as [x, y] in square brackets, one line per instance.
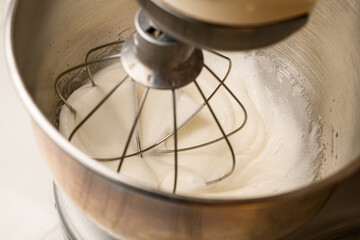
[274, 151]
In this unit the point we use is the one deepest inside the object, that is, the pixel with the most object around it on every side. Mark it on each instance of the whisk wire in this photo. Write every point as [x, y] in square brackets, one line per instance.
[79, 125]
[93, 50]
[224, 136]
[234, 97]
[77, 67]
[136, 107]
[221, 83]
[175, 141]
[143, 99]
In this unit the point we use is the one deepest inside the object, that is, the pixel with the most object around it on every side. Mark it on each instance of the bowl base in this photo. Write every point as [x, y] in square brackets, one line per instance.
[75, 226]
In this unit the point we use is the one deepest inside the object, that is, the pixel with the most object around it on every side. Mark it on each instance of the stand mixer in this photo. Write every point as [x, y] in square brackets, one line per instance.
[166, 52]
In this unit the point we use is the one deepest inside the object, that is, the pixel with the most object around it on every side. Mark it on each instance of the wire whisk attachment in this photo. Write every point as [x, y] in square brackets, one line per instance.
[151, 81]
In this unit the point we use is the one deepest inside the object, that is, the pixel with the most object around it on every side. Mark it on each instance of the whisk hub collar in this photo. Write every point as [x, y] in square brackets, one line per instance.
[156, 60]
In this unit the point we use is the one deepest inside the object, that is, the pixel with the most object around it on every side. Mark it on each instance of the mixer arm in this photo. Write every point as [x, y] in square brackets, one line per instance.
[229, 24]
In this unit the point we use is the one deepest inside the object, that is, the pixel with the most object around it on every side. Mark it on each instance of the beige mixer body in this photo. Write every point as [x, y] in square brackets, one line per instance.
[45, 37]
[241, 12]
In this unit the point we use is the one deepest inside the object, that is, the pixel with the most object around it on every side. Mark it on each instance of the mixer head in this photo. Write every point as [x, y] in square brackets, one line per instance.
[229, 25]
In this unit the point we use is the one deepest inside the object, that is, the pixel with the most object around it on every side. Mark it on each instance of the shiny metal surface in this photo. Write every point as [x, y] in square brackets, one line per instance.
[326, 53]
[337, 220]
[156, 60]
[75, 226]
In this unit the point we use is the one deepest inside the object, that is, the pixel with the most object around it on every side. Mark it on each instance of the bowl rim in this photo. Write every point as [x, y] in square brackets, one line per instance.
[110, 176]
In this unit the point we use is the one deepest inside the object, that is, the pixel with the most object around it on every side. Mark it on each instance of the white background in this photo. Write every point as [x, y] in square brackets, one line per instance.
[26, 198]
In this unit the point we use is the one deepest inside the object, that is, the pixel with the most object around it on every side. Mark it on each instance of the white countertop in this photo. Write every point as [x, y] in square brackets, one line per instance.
[26, 197]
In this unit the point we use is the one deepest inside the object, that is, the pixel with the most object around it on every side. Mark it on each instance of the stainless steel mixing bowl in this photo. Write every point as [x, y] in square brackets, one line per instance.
[45, 37]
